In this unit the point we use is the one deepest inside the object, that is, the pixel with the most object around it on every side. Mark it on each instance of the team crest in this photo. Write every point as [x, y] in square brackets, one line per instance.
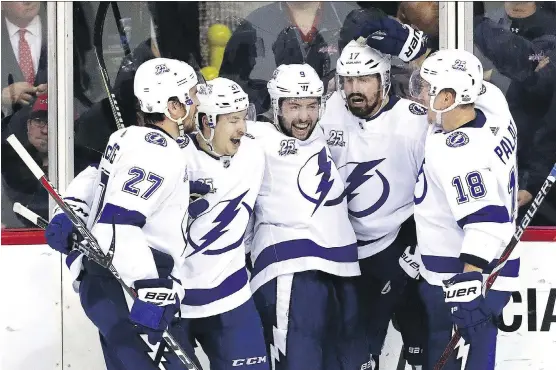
[316, 179]
[221, 228]
[182, 141]
[483, 90]
[457, 139]
[155, 138]
[417, 109]
[362, 181]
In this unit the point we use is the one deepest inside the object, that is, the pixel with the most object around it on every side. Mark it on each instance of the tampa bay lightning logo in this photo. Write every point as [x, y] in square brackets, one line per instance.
[360, 174]
[417, 109]
[457, 139]
[229, 218]
[155, 138]
[182, 141]
[315, 178]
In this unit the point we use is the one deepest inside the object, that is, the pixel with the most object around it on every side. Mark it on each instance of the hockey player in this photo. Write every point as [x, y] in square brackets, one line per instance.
[303, 249]
[218, 310]
[465, 207]
[376, 140]
[139, 204]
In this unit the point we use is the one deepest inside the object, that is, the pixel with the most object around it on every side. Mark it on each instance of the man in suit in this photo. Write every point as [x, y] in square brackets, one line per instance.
[24, 70]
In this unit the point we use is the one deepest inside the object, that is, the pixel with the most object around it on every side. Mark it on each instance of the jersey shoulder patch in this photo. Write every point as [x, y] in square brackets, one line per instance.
[183, 141]
[483, 90]
[417, 109]
[457, 139]
[156, 138]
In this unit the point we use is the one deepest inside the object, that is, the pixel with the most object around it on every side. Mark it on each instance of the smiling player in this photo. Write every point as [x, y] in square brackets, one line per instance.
[303, 247]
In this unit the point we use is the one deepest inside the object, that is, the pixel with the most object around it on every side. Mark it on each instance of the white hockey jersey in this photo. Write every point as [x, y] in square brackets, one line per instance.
[213, 273]
[466, 198]
[140, 200]
[300, 219]
[378, 160]
[492, 102]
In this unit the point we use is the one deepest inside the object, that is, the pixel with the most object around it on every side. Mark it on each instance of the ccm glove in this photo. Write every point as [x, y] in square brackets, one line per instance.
[158, 301]
[391, 37]
[463, 293]
[60, 233]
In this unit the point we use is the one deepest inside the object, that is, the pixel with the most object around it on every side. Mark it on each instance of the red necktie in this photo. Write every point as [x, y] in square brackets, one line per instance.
[25, 58]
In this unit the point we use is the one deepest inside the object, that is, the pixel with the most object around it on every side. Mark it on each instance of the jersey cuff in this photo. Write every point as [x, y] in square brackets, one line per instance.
[473, 260]
[113, 214]
[479, 248]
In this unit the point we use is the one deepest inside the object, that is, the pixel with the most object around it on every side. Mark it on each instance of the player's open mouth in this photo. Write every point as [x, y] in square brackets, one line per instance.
[301, 126]
[236, 141]
[357, 101]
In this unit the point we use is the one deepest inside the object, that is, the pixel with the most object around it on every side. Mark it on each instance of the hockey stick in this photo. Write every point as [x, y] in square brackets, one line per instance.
[26, 213]
[97, 42]
[89, 247]
[121, 30]
[504, 257]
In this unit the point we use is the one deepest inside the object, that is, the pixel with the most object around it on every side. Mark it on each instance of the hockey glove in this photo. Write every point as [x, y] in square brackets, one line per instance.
[410, 262]
[463, 294]
[60, 233]
[158, 301]
[197, 204]
[391, 37]
[198, 189]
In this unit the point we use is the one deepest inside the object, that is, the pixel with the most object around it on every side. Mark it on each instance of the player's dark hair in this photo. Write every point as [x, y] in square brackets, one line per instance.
[154, 118]
[200, 119]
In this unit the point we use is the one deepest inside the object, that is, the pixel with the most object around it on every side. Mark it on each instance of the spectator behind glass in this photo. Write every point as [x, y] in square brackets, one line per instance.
[24, 58]
[522, 46]
[172, 35]
[18, 183]
[283, 32]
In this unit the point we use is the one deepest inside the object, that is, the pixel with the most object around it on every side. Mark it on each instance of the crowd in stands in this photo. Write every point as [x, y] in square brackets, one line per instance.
[516, 44]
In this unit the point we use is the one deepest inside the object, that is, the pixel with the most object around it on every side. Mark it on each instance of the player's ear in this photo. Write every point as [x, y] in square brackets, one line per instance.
[174, 106]
[204, 122]
[451, 97]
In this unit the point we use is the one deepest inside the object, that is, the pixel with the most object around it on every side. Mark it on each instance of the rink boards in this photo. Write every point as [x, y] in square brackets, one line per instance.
[44, 328]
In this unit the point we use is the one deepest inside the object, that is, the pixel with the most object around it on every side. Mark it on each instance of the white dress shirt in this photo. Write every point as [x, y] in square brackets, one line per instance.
[33, 37]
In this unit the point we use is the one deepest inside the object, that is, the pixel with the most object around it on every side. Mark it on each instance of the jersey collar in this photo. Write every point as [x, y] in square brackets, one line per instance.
[478, 122]
[155, 127]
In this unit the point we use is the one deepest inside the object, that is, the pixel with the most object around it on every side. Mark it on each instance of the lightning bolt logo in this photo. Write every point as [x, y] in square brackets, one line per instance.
[358, 176]
[279, 346]
[221, 222]
[463, 351]
[325, 183]
[157, 352]
[324, 168]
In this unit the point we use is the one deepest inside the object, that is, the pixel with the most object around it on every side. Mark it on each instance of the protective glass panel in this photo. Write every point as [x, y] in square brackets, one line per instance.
[24, 108]
[516, 42]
